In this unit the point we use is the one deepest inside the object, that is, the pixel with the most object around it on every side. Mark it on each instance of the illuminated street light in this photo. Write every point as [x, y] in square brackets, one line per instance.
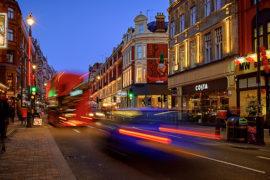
[30, 20]
[34, 67]
[98, 77]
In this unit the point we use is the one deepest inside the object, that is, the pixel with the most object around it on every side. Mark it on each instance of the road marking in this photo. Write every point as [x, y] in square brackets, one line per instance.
[75, 130]
[262, 157]
[90, 127]
[224, 162]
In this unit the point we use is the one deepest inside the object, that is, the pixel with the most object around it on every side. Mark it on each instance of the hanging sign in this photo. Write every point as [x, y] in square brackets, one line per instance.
[3, 30]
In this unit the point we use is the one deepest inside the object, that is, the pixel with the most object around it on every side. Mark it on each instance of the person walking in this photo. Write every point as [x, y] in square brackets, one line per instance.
[24, 116]
[4, 120]
[12, 112]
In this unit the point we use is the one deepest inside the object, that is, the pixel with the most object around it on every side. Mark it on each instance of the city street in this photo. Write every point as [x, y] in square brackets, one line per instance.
[212, 160]
[168, 89]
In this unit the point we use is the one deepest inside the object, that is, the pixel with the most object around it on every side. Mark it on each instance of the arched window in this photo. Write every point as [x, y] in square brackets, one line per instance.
[263, 28]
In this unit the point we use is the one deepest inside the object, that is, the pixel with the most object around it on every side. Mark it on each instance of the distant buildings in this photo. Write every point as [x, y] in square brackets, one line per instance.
[135, 75]
[14, 55]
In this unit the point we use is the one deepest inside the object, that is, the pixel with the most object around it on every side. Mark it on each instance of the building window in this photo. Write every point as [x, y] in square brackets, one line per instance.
[141, 28]
[10, 35]
[207, 7]
[182, 23]
[268, 35]
[193, 15]
[260, 37]
[139, 50]
[10, 57]
[10, 13]
[140, 75]
[217, 5]
[218, 43]
[172, 29]
[207, 44]
[182, 57]
[255, 1]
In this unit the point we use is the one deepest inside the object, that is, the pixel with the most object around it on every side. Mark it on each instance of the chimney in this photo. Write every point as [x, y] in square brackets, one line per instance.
[160, 21]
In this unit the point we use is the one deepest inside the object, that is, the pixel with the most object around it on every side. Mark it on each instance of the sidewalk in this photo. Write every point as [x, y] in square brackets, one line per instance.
[33, 154]
[211, 130]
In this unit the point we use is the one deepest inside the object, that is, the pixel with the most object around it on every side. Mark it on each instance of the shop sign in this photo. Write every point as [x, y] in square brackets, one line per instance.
[3, 30]
[249, 63]
[201, 87]
[122, 93]
[76, 93]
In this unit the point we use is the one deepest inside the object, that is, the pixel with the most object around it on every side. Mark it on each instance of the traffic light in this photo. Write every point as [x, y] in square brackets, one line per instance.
[33, 90]
[130, 94]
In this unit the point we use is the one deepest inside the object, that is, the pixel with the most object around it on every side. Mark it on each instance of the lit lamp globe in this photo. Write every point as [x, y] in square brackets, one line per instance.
[34, 67]
[30, 20]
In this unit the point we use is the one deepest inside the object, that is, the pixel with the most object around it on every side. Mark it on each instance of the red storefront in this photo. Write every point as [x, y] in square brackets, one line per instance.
[246, 64]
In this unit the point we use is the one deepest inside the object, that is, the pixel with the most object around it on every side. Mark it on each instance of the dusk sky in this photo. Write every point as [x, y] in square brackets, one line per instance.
[74, 34]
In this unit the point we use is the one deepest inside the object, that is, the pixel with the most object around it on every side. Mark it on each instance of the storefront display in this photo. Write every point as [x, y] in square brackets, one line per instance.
[203, 100]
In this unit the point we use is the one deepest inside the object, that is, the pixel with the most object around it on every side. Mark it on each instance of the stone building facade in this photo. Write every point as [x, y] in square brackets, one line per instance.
[202, 46]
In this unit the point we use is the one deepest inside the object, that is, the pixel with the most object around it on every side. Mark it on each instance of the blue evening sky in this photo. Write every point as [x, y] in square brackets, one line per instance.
[74, 34]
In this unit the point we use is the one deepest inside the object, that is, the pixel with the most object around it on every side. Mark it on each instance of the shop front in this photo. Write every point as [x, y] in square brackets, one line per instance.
[247, 86]
[148, 95]
[201, 101]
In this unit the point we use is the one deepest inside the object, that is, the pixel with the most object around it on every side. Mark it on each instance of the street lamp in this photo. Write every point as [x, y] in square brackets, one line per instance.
[30, 22]
[34, 67]
[259, 118]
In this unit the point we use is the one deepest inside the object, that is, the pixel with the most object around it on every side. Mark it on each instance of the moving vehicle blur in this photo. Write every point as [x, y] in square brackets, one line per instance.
[148, 132]
[68, 100]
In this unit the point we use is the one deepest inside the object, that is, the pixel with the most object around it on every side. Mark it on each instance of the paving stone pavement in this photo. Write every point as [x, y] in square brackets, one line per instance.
[33, 154]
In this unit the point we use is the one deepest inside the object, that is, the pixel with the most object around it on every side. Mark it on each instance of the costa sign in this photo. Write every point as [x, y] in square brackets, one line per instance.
[201, 87]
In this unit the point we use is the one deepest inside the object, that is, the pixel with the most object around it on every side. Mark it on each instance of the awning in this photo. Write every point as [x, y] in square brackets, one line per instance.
[3, 87]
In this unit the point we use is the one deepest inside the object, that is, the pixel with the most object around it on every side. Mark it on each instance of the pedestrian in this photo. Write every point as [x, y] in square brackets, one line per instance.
[24, 116]
[4, 118]
[12, 112]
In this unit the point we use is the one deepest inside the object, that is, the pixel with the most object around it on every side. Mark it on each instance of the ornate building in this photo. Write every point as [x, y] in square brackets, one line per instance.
[12, 45]
[14, 54]
[202, 46]
[135, 75]
[145, 57]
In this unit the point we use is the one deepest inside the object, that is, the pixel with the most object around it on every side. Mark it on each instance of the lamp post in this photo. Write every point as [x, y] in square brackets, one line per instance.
[259, 118]
[30, 22]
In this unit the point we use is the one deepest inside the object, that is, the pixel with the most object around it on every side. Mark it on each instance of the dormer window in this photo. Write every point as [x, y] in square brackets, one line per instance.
[141, 28]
